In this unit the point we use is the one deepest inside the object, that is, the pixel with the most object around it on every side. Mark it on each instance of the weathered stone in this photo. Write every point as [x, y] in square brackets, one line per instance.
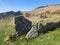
[23, 25]
[40, 27]
[33, 32]
[50, 26]
[58, 24]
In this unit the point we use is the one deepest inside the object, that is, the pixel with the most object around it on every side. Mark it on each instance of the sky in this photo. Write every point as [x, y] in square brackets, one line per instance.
[24, 5]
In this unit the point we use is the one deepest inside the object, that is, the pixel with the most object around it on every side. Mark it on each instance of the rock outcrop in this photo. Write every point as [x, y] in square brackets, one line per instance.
[33, 32]
[23, 25]
[58, 24]
[39, 28]
[51, 26]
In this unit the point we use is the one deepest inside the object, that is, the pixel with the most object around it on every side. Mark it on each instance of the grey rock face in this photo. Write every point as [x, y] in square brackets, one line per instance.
[50, 26]
[58, 24]
[33, 32]
[23, 25]
[40, 27]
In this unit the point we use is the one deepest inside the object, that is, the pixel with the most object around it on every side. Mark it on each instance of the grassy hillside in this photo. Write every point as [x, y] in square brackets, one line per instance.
[45, 12]
[50, 38]
[6, 22]
[41, 15]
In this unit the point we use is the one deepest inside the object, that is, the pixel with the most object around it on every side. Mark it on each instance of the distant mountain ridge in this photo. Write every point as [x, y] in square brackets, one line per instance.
[42, 12]
[10, 13]
[47, 6]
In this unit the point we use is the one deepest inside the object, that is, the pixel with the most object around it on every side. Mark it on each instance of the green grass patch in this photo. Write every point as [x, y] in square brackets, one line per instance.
[50, 38]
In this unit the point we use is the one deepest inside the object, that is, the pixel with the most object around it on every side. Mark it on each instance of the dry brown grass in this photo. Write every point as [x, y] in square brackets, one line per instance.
[49, 11]
[6, 22]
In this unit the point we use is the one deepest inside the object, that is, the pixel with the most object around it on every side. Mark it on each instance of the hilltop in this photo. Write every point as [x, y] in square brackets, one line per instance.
[44, 12]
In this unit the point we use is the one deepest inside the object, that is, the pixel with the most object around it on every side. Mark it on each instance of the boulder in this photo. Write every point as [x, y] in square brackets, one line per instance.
[23, 25]
[58, 24]
[40, 27]
[32, 33]
[50, 26]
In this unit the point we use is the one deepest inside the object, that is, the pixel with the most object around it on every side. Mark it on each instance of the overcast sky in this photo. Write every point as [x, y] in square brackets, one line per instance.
[15, 5]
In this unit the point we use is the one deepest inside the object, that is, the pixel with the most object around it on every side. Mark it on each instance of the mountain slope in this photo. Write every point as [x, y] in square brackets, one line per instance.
[10, 13]
[48, 12]
[44, 12]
